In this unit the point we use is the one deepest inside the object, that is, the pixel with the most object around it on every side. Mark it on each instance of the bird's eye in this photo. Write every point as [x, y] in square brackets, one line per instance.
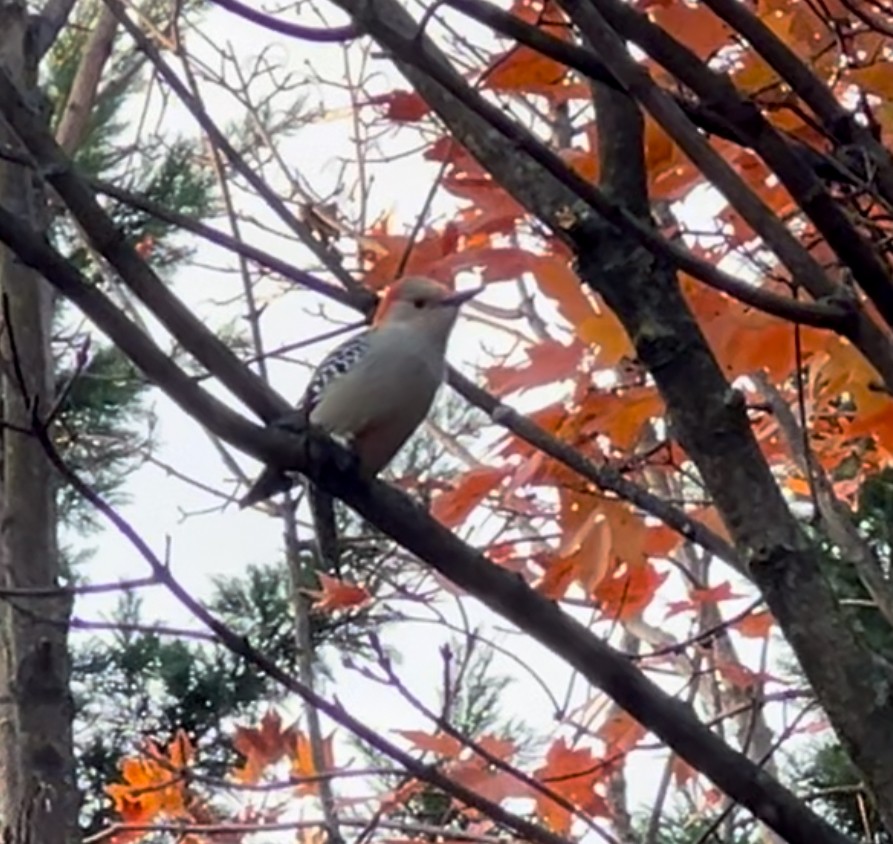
[419, 303]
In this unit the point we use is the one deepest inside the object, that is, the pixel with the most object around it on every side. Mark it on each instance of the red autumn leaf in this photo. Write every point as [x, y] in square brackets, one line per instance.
[548, 362]
[755, 625]
[628, 590]
[454, 506]
[401, 106]
[262, 747]
[338, 594]
[573, 774]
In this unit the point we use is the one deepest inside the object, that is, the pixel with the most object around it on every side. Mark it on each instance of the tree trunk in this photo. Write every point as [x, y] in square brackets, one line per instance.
[38, 793]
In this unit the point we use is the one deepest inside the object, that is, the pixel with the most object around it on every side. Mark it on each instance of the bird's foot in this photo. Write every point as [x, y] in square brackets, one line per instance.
[295, 422]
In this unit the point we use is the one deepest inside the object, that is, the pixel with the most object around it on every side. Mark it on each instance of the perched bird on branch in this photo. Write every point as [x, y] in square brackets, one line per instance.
[375, 389]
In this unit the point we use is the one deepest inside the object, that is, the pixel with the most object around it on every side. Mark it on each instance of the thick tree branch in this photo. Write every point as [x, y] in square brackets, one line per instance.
[393, 512]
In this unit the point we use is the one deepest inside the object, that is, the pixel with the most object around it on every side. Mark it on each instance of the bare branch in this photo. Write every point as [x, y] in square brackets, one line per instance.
[334, 35]
[82, 94]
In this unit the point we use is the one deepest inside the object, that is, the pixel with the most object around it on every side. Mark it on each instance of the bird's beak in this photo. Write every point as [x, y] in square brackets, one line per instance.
[460, 297]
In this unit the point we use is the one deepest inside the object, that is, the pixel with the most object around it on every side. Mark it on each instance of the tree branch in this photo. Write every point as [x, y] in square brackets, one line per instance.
[393, 512]
[333, 35]
[840, 123]
[304, 232]
[595, 19]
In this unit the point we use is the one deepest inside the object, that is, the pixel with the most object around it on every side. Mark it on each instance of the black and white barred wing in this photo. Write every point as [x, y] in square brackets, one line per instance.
[333, 366]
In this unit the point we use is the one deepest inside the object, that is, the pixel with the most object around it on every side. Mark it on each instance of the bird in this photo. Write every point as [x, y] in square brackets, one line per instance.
[375, 389]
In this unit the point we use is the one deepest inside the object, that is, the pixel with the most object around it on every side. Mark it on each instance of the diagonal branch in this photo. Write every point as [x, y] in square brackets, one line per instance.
[589, 64]
[838, 121]
[206, 348]
[596, 19]
[301, 229]
[393, 512]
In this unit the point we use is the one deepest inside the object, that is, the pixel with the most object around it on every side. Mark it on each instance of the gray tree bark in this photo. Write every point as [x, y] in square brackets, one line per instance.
[38, 793]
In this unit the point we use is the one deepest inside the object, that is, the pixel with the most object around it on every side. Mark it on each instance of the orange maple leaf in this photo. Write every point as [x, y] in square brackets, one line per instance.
[628, 590]
[452, 507]
[303, 765]
[755, 625]
[338, 594]
[154, 786]
[262, 746]
[573, 774]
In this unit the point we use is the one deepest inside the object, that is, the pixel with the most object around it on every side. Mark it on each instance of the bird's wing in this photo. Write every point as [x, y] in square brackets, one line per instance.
[333, 366]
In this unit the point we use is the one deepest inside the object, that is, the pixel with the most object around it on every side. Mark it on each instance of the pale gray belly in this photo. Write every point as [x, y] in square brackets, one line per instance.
[378, 406]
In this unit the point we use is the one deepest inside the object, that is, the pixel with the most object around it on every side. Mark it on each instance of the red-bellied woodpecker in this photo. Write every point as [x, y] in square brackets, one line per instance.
[375, 389]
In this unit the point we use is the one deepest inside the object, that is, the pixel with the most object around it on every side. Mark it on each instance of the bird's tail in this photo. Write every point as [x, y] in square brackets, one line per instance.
[322, 512]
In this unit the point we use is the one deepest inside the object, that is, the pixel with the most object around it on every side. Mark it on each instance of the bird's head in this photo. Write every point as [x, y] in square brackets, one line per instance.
[424, 302]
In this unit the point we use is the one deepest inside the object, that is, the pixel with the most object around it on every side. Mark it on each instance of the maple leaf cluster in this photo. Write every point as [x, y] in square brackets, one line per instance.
[159, 785]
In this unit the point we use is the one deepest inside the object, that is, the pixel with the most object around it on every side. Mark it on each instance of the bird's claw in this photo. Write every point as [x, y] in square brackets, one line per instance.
[295, 422]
